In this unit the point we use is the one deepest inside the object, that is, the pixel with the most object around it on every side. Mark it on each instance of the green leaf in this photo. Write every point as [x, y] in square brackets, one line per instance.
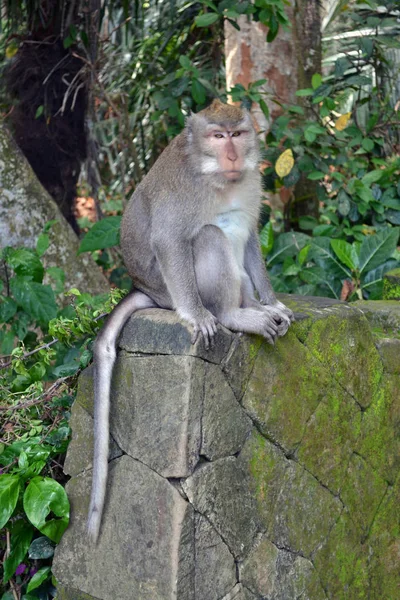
[367, 144]
[346, 253]
[307, 223]
[26, 263]
[374, 276]
[322, 253]
[198, 92]
[38, 578]
[264, 108]
[185, 62]
[372, 176]
[287, 244]
[316, 175]
[303, 254]
[42, 496]
[103, 234]
[206, 20]
[319, 276]
[36, 299]
[305, 92]
[267, 238]
[316, 80]
[21, 537]
[344, 204]
[8, 308]
[377, 249]
[43, 242]
[39, 111]
[9, 490]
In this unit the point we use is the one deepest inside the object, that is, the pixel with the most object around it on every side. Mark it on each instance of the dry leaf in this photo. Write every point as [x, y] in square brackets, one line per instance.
[342, 121]
[285, 163]
[347, 289]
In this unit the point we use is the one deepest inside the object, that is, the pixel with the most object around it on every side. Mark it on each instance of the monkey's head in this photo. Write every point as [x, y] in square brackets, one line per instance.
[223, 141]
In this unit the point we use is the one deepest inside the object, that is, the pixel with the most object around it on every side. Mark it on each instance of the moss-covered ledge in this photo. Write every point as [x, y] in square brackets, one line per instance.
[248, 472]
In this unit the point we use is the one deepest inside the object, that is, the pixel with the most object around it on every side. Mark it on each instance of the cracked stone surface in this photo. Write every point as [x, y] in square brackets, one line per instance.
[221, 491]
[249, 472]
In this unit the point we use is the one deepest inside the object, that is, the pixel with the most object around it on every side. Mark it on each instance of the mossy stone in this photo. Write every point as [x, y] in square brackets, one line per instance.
[362, 492]
[296, 510]
[343, 342]
[379, 441]
[384, 547]
[391, 285]
[342, 562]
[382, 315]
[285, 388]
[330, 437]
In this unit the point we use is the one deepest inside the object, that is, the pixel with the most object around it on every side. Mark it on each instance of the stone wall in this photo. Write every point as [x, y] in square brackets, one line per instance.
[247, 472]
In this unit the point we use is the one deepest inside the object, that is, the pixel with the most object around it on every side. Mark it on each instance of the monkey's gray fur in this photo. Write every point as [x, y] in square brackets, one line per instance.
[189, 241]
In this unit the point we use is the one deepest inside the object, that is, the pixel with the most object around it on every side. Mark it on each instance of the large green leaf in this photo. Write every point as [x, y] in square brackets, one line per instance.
[38, 578]
[376, 275]
[287, 244]
[103, 234]
[42, 496]
[346, 253]
[21, 537]
[323, 255]
[36, 299]
[26, 263]
[267, 238]
[377, 249]
[207, 19]
[318, 276]
[9, 490]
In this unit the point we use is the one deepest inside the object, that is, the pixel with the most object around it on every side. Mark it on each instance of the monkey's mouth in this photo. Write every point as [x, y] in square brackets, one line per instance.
[232, 175]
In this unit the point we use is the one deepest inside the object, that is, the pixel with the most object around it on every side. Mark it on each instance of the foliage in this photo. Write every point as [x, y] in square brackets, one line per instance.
[44, 346]
[324, 266]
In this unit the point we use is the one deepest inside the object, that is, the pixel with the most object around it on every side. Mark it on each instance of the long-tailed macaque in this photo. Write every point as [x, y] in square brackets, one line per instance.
[189, 241]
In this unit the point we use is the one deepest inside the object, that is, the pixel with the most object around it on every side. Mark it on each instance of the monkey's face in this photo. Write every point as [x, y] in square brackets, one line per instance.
[226, 151]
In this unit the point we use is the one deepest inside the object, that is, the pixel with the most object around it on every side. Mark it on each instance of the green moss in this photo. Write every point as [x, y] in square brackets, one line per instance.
[384, 547]
[342, 562]
[286, 386]
[391, 285]
[362, 493]
[344, 343]
[379, 442]
[330, 437]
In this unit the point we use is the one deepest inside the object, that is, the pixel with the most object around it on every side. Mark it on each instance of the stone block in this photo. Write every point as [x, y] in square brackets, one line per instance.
[215, 568]
[296, 511]
[286, 386]
[157, 406]
[220, 491]
[144, 547]
[276, 574]
[330, 437]
[225, 425]
[157, 331]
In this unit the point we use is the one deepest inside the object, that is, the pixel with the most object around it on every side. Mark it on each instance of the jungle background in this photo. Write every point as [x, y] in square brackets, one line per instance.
[91, 92]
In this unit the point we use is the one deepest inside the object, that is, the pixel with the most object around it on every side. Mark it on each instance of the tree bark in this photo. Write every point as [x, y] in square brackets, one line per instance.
[288, 64]
[25, 208]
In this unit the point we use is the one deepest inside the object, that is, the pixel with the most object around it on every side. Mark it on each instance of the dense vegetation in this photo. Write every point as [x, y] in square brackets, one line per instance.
[153, 63]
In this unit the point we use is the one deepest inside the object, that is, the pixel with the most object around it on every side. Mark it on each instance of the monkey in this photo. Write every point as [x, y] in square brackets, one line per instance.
[189, 242]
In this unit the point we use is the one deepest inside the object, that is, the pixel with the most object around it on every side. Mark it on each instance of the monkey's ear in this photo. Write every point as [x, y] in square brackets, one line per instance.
[195, 123]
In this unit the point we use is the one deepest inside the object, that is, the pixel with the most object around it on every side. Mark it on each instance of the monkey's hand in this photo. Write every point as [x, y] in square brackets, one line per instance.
[282, 315]
[204, 323]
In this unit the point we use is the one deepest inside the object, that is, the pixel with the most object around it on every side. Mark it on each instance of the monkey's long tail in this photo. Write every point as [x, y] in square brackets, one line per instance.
[104, 359]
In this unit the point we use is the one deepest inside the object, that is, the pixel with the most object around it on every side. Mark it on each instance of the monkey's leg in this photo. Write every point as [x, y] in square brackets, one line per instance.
[104, 359]
[219, 283]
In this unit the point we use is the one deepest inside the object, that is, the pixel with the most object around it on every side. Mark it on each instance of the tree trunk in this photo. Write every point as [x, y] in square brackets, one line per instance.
[25, 207]
[288, 63]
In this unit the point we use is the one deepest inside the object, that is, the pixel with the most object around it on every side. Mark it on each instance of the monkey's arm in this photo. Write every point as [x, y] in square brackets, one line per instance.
[254, 265]
[175, 256]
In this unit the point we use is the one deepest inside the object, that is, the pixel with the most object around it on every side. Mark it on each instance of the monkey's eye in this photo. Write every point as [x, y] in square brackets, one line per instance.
[236, 134]
[218, 135]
